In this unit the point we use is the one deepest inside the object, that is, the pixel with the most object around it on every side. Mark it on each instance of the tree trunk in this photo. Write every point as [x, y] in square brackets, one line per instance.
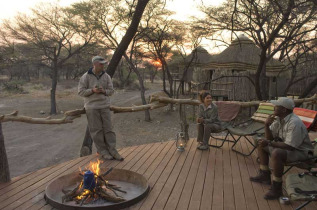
[258, 82]
[142, 88]
[142, 91]
[127, 37]
[53, 91]
[4, 166]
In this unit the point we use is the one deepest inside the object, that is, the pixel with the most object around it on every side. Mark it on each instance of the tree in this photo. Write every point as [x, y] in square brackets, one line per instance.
[53, 31]
[272, 24]
[161, 37]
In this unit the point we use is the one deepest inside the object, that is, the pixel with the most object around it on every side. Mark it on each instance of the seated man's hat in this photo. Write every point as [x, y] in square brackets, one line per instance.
[285, 102]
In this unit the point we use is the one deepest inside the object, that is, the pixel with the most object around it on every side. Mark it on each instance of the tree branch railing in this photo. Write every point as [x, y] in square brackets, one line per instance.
[156, 102]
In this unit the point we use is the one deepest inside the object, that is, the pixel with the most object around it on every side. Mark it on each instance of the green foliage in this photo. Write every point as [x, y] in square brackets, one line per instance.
[13, 86]
[38, 87]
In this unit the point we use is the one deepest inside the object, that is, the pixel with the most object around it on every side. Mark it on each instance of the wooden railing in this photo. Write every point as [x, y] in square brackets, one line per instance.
[157, 101]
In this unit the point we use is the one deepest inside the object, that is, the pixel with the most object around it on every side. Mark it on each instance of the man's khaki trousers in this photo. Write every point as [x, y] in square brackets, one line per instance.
[100, 127]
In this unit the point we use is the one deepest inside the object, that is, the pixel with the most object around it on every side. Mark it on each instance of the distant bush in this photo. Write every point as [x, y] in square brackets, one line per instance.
[13, 86]
[38, 87]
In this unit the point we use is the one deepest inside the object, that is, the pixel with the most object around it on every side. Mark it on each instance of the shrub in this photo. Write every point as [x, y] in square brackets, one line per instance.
[13, 86]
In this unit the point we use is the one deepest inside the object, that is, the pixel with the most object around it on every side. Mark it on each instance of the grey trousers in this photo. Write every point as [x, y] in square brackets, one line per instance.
[100, 127]
[204, 131]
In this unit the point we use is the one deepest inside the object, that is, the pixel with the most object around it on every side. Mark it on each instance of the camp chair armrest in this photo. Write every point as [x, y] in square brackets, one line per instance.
[241, 123]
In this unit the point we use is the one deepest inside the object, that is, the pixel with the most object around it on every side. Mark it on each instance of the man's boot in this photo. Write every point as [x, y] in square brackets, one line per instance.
[264, 177]
[275, 192]
[115, 154]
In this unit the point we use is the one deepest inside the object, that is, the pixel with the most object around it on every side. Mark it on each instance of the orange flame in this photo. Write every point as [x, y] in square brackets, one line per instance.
[94, 167]
[81, 196]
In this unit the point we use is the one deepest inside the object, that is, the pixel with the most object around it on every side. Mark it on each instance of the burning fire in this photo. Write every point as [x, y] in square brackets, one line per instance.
[93, 187]
[94, 167]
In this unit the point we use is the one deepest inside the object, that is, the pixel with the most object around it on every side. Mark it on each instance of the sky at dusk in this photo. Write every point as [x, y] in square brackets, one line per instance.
[183, 8]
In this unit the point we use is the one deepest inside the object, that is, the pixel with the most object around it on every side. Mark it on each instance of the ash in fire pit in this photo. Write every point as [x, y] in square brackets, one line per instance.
[97, 188]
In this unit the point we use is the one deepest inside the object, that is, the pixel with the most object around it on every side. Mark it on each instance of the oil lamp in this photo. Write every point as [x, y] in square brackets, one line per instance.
[180, 141]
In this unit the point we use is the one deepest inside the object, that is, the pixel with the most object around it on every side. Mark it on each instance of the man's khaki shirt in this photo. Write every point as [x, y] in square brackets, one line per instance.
[292, 131]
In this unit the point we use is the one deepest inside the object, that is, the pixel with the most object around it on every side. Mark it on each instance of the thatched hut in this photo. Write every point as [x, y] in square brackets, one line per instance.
[236, 65]
[194, 74]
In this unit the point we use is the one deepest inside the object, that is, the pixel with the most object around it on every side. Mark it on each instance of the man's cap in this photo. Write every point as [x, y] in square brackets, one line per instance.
[284, 102]
[99, 59]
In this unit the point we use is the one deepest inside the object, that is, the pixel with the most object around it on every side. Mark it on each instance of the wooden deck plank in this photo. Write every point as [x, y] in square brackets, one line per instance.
[169, 185]
[152, 157]
[174, 197]
[195, 199]
[137, 157]
[193, 179]
[217, 200]
[146, 156]
[18, 178]
[159, 177]
[28, 181]
[273, 204]
[228, 191]
[249, 194]
[238, 190]
[190, 181]
[257, 187]
[152, 169]
[207, 194]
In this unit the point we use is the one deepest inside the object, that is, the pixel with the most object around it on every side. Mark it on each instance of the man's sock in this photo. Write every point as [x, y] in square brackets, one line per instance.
[264, 167]
[277, 179]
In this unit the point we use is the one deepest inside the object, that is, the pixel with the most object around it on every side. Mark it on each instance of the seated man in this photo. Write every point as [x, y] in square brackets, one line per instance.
[291, 143]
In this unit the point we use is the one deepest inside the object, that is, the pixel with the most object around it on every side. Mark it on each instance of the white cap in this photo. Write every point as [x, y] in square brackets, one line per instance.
[284, 102]
[99, 59]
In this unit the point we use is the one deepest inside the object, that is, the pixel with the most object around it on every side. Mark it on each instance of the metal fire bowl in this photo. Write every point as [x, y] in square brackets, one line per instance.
[134, 184]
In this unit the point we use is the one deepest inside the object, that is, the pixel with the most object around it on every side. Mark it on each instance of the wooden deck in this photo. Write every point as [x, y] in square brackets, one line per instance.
[193, 179]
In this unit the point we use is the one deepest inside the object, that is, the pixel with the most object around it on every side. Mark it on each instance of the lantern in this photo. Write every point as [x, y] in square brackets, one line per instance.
[180, 141]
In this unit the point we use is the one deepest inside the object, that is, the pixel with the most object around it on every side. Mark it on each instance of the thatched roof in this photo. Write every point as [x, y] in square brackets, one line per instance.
[201, 56]
[242, 54]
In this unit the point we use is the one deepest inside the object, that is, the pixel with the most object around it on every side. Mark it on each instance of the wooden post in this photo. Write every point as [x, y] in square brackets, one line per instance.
[4, 166]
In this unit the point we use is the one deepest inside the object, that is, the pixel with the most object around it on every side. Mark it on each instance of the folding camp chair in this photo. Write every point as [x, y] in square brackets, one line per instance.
[302, 187]
[255, 126]
[227, 112]
[309, 118]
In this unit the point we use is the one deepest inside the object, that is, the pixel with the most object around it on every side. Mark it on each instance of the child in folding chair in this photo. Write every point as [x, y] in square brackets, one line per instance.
[208, 121]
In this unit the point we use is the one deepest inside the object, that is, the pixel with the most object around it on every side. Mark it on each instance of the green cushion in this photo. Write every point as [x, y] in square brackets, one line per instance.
[266, 107]
[264, 111]
[305, 183]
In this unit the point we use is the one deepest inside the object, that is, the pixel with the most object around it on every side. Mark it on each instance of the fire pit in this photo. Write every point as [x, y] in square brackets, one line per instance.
[126, 188]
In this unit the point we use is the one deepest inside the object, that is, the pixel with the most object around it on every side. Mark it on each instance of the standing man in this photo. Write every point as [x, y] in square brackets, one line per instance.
[96, 87]
[286, 140]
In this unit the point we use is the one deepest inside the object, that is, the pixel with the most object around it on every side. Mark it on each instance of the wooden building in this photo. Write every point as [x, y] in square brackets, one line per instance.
[236, 67]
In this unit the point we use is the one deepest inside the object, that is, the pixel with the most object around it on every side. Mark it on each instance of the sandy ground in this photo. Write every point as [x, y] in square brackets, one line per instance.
[32, 146]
